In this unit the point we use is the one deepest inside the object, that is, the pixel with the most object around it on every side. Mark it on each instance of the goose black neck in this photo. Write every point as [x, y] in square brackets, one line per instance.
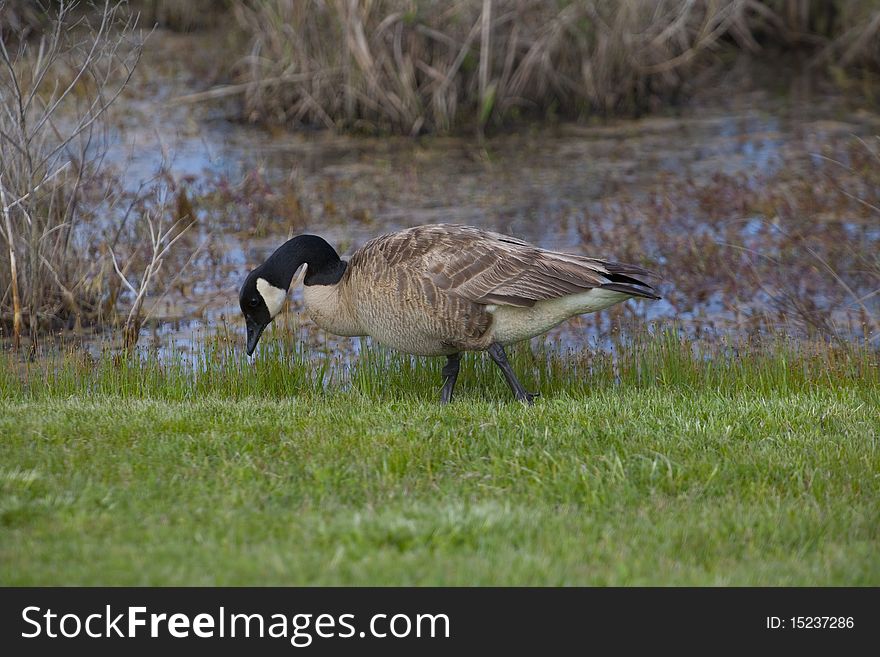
[324, 266]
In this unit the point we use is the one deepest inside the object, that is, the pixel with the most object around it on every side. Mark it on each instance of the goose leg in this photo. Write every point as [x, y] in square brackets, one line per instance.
[496, 351]
[450, 374]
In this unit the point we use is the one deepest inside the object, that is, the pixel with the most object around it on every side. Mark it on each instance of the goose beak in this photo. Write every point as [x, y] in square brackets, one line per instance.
[254, 331]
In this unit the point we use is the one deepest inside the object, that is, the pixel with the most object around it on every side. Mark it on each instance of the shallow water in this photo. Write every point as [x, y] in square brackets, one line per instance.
[552, 185]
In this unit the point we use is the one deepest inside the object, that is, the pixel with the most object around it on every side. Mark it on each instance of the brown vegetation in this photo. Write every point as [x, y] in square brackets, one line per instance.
[407, 67]
[796, 250]
[181, 15]
[19, 19]
[63, 212]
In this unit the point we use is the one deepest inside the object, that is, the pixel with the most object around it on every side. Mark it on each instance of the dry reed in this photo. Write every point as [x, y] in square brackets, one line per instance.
[407, 67]
[62, 213]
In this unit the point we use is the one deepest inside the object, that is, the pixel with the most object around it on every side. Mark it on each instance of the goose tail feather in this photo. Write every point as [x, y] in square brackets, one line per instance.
[645, 292]
[623, 279]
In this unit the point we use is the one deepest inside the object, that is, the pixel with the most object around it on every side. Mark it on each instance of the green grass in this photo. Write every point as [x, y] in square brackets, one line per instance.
[657, 466]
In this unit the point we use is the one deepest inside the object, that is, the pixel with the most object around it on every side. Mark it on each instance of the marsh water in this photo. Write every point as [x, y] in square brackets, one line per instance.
[583, 187]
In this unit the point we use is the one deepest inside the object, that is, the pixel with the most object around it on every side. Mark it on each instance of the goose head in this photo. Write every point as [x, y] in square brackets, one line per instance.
[265, 289]
[260, 301]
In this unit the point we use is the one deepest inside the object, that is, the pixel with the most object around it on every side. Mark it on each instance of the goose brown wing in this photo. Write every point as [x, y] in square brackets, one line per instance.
[490, 268]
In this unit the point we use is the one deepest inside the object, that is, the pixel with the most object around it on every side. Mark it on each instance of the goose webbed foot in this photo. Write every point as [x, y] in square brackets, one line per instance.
[450, 375]
[496, 351]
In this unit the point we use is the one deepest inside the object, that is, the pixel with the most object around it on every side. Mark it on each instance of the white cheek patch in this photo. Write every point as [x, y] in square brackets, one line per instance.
[273, 296]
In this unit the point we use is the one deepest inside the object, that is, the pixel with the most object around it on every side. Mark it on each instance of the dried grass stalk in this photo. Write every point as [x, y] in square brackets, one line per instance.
[407, 66]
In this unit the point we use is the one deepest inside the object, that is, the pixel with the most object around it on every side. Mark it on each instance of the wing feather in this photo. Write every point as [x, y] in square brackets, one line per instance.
[489, 268]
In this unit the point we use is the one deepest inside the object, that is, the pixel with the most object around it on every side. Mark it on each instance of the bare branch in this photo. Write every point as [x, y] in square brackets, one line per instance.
[37, 187]
[120, 274]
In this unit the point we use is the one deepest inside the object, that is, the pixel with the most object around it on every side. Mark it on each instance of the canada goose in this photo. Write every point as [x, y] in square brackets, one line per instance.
[439, 290]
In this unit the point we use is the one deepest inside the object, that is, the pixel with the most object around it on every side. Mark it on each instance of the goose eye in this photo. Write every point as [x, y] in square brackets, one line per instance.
[254, 302]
